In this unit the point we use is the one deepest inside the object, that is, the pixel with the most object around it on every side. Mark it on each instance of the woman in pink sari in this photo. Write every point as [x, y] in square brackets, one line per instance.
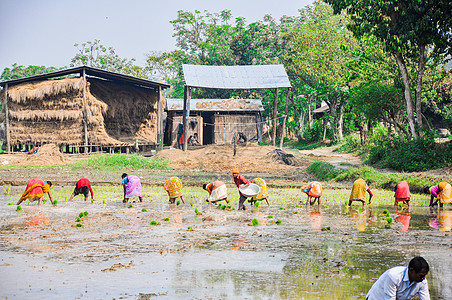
[132, 187]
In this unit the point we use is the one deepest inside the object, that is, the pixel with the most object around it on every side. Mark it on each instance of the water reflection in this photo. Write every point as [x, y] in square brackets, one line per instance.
[440, 219]
[403, 217]
[361, 217]
[315, 217]
[37, 219]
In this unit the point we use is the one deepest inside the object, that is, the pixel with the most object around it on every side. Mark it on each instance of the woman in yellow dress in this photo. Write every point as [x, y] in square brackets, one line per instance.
[263, 193]
[173, 186]
[442, 193]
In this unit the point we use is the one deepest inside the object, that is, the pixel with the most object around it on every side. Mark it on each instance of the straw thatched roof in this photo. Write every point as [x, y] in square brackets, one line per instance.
[52, 111]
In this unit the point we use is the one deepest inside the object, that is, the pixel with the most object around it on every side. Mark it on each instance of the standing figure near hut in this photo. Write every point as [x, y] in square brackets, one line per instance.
[263, 193]
[442, 192]
[217, 191]
[240, 182]
[313, 190]
[132, 187]
[402, 193]
[83, 186]
[35, 190]
[181, 137]
[359, 192]
[173, 186]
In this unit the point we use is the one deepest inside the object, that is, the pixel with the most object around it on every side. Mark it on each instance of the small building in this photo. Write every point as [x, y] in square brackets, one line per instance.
[83, 108]
[215, 120]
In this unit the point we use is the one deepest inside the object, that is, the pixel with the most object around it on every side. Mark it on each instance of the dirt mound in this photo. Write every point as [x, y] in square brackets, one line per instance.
[249, 158]
[47, 155]
[283, 157]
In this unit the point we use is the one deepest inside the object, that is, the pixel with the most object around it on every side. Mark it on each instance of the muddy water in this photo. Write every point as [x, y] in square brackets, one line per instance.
[118, 254]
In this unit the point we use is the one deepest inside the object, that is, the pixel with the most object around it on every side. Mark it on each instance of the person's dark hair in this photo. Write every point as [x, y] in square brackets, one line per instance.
[418, 264]
[204, 186]
[49, 183]
[123, 175]
[427, 190]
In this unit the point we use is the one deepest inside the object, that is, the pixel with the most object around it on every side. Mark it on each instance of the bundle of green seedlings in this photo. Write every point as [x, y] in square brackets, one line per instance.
[80, 218]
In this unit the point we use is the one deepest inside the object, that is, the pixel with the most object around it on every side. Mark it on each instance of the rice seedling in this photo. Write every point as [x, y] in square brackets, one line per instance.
[387, 226]
[191, 204]
[55, 202]
[78, 219]
[153, 222]
[281, 208]
[400, 204]
[326, 228]
[189, 228]
[295, 212]
[256, 203]
[178, 202]
[85, 214]
[389, 220]
[255, 222]
[18, 208]
[385, 212]
[130, 206]
[270, 216]
[278, 222]
[79, 225]
[166, 219]
[144, 210]
[81, 215]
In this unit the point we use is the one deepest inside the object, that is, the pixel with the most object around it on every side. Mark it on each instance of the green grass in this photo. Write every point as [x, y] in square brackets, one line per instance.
[121, 161]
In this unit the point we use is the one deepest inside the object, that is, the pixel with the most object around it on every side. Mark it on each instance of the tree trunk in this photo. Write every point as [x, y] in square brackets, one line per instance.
[408, 97]
[275, 113]
[420, 75]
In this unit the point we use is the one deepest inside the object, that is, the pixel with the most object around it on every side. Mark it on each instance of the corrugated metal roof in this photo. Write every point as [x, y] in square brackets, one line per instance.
[93, 72]
[216, 104]
[236, 77]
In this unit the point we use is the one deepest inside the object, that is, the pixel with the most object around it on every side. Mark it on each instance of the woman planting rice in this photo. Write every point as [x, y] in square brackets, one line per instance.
[132, 187]
[173, 186]
[313, 190]
[442, 193]
[35, 190]
[263, 193]
[217, 191]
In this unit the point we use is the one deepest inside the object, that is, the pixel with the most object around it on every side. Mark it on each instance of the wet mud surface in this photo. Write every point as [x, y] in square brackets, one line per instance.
[327, 252]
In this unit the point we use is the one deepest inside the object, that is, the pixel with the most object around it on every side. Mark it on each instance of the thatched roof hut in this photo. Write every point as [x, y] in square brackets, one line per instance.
[97, 108]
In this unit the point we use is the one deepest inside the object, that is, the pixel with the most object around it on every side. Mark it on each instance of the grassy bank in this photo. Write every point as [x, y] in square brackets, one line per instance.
[325, 171]
[118, 161]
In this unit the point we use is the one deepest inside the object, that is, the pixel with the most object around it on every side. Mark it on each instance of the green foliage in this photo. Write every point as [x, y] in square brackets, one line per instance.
[153, 222]
[351, 143]
[16, 72]
[278, 222]
[18, 208]
[166, 219]
[255, 222]
[121, 161]
[144, 210]
[323, 171]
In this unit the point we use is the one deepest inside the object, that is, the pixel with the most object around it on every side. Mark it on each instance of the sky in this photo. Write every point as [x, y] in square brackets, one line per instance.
[43, 32]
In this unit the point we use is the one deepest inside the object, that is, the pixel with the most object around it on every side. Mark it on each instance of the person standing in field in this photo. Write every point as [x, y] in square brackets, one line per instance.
[402, 193]
[240, 182]
[313, 190]
[402, 283]
[173, 186]
[217, 191]
[35, 190]
[132, 187]
[83, 186]
[359, 192]
[442, 193]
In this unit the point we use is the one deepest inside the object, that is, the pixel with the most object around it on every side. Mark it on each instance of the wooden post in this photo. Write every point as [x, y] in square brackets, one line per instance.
[283, 131]
[8, 137]
[160, 119]
[187, 97]
[275, 111]
[184, 114]
[85, 119]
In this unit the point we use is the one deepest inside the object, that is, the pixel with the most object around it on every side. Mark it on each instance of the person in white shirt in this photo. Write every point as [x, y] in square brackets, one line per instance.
[402, 283]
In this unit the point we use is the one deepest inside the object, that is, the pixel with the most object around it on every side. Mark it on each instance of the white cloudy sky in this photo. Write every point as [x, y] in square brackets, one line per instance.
[43, 32]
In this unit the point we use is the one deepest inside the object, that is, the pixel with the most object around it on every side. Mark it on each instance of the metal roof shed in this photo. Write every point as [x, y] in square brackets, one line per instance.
[236, 77]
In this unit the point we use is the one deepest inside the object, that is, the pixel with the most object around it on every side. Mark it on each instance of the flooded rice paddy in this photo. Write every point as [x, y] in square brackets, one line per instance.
[329, 251]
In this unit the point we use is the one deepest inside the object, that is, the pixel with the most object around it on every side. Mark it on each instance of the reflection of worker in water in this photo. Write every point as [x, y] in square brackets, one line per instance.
[359, 218]
[359, 192]
[403, 217]
[263, 192]
[173, 186]
[181, 136]
[316, 218]
[217, 191]
[444, 220]
[402, 193]
[35, 190]
[442, 192]
[193, 140]
[313, 190]
[132, 187]
[402, 282]
[83, 186]
[240, 182]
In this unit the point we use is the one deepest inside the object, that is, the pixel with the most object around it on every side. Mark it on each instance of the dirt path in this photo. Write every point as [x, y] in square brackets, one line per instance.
[337, 159]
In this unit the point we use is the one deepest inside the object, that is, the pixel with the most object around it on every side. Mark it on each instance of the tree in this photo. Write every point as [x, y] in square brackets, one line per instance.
[407, 28]
[94, 54]
[18, 71]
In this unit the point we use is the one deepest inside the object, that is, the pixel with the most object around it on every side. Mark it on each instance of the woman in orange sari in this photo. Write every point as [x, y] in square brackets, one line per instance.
[35, 190]
[313, 190]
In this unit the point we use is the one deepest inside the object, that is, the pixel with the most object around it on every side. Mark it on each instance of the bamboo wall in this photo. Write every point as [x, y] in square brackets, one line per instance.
[227, 125]
[176, 120]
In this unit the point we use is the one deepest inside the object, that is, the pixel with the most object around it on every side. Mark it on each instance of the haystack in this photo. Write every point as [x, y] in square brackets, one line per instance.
[52, 111]
[47, 155]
